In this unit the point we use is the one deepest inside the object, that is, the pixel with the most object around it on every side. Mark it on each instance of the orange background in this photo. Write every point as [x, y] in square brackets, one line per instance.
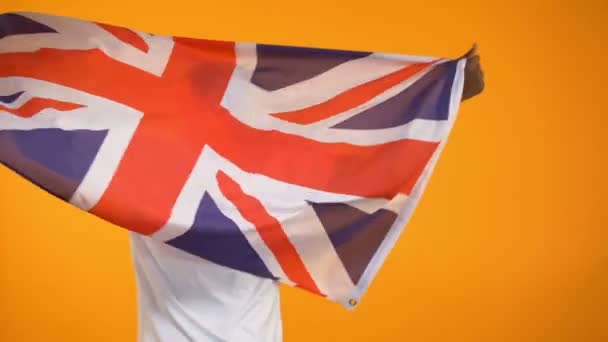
[508, 244]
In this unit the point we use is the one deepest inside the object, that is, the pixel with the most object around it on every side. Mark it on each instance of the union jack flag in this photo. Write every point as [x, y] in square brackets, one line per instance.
[297, 164]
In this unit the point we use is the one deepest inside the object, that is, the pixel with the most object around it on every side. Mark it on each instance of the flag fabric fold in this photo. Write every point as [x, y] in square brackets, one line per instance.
[297, 164]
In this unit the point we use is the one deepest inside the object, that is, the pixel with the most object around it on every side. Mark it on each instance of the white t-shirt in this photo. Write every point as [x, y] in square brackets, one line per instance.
[185, 298]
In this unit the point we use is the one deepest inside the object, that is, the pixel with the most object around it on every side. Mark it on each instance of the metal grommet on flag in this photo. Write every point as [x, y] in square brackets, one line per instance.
[352, 302]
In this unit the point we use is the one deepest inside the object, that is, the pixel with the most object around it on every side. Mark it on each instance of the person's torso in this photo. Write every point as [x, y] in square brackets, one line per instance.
[185, 298]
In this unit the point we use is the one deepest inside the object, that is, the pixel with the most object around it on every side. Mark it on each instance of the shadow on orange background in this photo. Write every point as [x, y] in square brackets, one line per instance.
[508, 244]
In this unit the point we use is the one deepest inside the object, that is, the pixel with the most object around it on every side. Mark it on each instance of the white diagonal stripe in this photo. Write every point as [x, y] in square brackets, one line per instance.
[76, 34]
[247, 103]
[98, 114]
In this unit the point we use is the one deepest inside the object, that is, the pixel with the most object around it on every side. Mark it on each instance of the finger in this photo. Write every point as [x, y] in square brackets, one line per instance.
[472, 52]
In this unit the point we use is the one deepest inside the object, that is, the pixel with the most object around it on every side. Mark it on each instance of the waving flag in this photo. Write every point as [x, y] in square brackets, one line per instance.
[297, 164]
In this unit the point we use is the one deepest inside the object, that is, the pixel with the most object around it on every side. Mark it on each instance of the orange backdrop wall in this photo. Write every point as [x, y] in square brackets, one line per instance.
[508, 244]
